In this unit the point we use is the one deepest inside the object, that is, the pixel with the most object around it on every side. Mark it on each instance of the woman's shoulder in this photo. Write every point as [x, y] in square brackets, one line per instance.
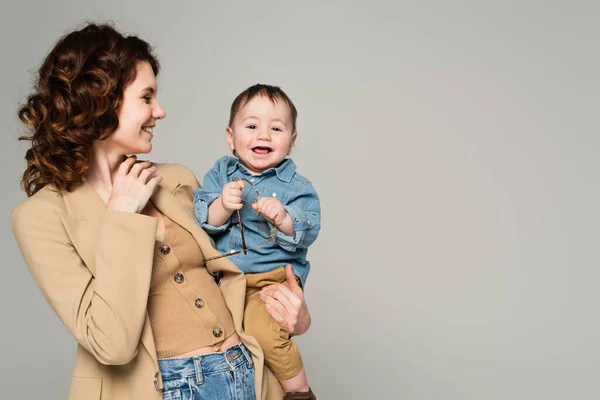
[44, 204]
[174, 174]
[46, 198]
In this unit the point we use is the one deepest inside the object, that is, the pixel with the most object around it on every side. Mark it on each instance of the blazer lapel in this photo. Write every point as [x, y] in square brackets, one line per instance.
[83, 221]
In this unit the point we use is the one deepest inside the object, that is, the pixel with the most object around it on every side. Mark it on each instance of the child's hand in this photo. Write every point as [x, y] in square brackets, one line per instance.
[231, 196]
[272, 209]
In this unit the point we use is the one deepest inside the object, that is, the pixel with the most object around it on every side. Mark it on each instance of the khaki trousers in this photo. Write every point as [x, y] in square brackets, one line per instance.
[281, 352]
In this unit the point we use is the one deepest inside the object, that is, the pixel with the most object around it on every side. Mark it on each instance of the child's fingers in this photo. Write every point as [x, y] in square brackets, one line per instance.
[259, 204]
[237, 185]
[237, 193]
[233, 199]
[233, 193]
[232, 206]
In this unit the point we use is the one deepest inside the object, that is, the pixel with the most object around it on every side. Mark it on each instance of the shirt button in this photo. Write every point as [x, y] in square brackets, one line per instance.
[178, 278]
[252, 180]
[165, 250]
[308, 221]
[217, 332]
[199, 303]
[274, 194]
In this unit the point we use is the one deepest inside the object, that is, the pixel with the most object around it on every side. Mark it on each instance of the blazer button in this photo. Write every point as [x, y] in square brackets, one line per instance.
[217, 332]
[199, 303]
[178, 278]
[165, 250]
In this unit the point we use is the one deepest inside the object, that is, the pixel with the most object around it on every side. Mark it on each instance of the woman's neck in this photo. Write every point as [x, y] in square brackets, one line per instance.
[104, 166]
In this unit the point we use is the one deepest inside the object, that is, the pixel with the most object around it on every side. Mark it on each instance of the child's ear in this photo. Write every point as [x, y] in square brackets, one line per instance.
[229, 134]
[292, 143]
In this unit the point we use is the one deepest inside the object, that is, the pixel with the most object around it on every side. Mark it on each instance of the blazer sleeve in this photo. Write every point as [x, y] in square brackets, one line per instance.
[106, 312]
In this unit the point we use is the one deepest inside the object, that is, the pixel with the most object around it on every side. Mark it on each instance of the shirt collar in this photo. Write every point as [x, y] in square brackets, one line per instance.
[284, 172]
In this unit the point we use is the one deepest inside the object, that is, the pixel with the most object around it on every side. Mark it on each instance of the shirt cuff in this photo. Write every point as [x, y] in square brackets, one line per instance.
[202, 200]
[300, 223]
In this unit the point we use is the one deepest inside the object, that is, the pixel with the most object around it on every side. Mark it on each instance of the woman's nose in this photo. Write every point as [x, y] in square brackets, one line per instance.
[158, 112]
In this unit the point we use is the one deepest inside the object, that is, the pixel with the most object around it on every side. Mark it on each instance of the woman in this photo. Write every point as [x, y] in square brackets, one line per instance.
[113, 244]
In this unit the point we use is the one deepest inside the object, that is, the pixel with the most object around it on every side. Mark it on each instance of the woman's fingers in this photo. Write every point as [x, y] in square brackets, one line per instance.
[147, 172]
[284, 295]
[291, 279]
[133, 185]
[279, 314]
[286, 304]
[126, 165]
[293, 294]
[154, 182]
[139, 167]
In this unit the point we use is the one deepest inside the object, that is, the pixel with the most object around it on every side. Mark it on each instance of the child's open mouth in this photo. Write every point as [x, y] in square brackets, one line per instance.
[261, 150]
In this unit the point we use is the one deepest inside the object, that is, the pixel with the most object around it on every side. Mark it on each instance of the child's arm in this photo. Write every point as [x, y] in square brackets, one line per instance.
[274, 211]
[222, 207]
[299, 222]
[209, 194]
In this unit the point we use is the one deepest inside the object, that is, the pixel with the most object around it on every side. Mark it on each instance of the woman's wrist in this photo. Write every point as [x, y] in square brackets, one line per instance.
[116, 206]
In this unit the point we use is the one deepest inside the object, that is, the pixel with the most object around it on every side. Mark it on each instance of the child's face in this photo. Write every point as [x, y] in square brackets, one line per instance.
[261, 134]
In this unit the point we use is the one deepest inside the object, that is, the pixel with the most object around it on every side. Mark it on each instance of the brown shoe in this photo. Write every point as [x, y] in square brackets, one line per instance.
[300, 395]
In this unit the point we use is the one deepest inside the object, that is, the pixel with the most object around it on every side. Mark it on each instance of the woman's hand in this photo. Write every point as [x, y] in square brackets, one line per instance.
[133, 185]
[286, 304]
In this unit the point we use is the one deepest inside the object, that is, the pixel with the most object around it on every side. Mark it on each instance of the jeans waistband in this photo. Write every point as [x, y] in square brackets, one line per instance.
[205, 364]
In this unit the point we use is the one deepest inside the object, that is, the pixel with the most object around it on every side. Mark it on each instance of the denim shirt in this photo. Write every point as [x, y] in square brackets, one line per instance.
[299, 199]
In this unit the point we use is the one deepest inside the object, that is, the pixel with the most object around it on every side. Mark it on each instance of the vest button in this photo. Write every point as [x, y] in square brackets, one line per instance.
[165, 250]
[178, 278]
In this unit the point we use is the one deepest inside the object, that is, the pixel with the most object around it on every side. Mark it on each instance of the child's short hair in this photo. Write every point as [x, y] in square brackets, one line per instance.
[273, 93]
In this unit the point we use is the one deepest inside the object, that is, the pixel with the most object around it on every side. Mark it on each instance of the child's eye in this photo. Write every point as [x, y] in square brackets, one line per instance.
[251, 127]
[277, 129]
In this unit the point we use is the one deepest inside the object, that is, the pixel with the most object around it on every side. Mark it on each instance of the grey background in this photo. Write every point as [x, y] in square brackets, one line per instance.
[454, 146]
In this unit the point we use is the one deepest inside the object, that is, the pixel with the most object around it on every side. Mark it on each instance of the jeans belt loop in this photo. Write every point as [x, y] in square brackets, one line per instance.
[198, 369]
[247, 355]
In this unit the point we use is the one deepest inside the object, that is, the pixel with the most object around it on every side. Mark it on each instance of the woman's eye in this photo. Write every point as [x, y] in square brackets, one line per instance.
[147, 99]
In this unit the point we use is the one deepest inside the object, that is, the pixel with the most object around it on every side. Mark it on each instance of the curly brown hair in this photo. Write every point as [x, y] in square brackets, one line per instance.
[77, 95]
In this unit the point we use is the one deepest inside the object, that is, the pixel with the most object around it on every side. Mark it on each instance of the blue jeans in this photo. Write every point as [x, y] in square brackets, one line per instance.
[225, 376]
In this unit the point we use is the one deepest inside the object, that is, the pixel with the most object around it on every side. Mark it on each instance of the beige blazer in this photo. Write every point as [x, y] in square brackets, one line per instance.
[94, 265]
